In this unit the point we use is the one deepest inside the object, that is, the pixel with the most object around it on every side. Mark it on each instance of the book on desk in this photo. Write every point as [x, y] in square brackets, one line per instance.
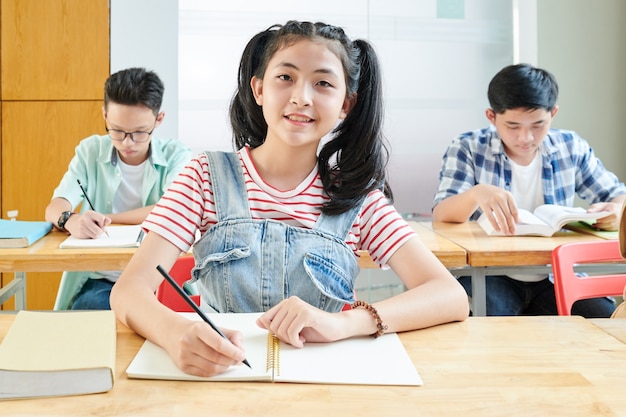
[22, 233]
[58, 353]
[359, 360]
[545, 220]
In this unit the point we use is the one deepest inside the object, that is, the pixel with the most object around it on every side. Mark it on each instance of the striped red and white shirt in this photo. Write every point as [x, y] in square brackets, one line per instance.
[188, 206]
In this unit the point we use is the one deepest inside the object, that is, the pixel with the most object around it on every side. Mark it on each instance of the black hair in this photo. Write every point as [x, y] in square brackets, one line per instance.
[134, 86]
[522, 86]
[354, 161]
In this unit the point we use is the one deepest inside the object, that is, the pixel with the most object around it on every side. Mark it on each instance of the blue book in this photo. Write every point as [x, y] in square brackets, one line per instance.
[20, 233]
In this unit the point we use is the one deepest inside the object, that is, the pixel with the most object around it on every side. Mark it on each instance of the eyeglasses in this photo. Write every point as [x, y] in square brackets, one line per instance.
[137, 137]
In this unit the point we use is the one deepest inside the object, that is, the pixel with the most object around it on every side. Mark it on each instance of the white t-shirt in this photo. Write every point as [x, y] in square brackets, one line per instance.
[127, 197]
[527, 189]
[526, 185]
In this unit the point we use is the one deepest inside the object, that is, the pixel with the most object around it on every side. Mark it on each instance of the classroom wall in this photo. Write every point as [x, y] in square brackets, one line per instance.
[153, 44]
[437, 57]
[582, 43]
[578, 40]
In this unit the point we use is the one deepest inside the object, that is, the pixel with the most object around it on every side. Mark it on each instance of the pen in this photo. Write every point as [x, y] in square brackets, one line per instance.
[193, 305]
[88, 201]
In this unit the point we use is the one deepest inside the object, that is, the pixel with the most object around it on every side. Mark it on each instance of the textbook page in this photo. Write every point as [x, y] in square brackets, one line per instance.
[128, 236]
[558, 216]
[545, 220]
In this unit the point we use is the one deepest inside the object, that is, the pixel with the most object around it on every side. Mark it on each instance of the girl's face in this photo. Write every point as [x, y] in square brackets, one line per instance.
[303, 93]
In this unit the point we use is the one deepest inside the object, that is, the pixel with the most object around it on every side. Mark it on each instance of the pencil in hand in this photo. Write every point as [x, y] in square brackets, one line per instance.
[89, 202]
[193, 305]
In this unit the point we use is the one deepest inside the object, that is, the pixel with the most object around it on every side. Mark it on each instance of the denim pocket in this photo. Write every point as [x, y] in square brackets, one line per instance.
[331, 280]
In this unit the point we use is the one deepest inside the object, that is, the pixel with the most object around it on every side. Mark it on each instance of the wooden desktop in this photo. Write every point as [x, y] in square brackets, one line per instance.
[502, 255]
[485, 366]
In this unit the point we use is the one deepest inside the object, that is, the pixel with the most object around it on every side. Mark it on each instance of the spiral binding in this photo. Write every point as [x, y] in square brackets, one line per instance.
[272, 360]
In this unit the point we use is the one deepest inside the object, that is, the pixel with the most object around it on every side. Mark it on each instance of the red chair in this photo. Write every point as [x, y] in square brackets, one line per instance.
[569, 287]
[181, 272]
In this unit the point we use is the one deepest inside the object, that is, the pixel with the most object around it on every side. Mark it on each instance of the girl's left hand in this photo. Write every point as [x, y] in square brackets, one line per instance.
[295, 322]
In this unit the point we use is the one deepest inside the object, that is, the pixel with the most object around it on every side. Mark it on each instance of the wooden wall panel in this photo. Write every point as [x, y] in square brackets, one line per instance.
[54, 49]
[54, 60]
[39, 138]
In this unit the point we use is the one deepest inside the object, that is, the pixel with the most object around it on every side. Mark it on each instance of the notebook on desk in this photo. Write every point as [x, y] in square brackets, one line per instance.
[362, 360]
[58, 353]
[128, 236]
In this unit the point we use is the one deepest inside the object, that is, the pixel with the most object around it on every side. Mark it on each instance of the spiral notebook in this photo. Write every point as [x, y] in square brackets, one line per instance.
[362, 360]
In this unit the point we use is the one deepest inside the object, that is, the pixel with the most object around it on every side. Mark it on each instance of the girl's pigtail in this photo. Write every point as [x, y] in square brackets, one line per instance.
[246, 117]
[359, 145]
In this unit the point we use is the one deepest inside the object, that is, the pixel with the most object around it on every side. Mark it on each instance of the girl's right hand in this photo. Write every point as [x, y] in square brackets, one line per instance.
[200, 350]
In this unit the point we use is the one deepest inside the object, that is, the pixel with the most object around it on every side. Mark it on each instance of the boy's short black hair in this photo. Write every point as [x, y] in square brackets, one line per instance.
[134, 86]
[522, 86]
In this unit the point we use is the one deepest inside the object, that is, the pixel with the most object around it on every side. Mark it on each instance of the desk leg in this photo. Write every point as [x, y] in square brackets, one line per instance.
[16, 287]
[479, 292]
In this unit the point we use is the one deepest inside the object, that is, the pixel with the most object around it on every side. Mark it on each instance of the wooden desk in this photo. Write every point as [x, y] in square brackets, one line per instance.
[501, 255]
[483, 250]
[45, 256]
[485, 366]
[614, 327]
[451, 254]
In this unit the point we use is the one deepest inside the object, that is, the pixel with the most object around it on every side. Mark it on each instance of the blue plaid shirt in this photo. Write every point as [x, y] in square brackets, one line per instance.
[569, 167]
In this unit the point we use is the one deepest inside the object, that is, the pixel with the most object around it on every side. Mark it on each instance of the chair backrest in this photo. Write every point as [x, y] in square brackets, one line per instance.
[569, 287]
[181, 272]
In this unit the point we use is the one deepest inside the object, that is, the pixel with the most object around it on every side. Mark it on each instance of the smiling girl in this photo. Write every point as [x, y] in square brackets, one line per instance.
[282, 225]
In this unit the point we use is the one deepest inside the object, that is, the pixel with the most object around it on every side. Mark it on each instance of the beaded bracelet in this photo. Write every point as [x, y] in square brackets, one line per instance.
[379, 322]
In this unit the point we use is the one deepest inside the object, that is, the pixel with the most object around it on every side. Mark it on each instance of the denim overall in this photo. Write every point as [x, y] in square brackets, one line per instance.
[247, 265]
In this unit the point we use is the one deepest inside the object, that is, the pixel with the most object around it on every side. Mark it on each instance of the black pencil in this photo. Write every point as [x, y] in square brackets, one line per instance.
[89, 201]
[193, 305]
[85, 195]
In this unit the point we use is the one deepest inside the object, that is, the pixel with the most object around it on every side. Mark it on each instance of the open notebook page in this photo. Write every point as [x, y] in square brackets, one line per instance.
[364, 360]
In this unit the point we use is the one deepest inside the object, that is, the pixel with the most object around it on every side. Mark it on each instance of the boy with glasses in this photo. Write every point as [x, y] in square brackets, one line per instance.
[123, 175]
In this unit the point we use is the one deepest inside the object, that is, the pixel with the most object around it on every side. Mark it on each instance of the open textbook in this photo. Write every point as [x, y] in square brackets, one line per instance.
[363, 360]
[129, 236]
[545, 220]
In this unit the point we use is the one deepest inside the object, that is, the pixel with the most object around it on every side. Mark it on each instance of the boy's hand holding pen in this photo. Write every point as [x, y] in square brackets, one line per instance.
[94, 218]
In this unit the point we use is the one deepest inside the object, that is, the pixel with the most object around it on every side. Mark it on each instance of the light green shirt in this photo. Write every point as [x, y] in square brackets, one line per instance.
[96, 165]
